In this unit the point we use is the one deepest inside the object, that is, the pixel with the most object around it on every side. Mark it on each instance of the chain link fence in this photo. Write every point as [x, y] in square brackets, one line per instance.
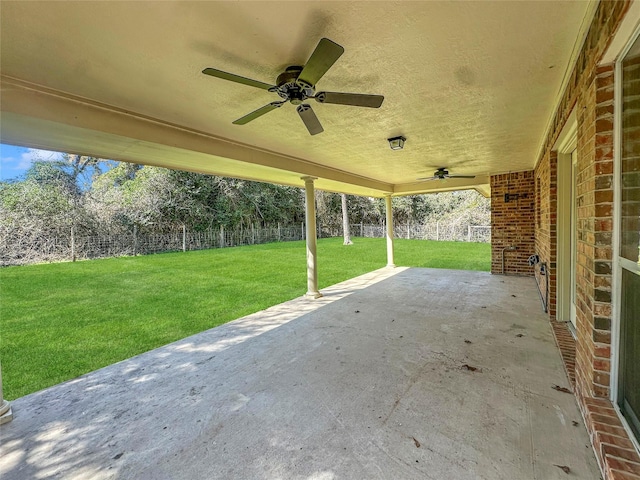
[24, 251]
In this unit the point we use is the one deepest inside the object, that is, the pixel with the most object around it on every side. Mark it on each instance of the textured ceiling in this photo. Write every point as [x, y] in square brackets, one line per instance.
[471, 85]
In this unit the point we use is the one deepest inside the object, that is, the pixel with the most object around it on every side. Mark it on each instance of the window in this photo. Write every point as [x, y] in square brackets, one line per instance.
[628, 397]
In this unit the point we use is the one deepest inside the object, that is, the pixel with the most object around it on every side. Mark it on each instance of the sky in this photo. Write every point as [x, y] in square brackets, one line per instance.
[15, 161]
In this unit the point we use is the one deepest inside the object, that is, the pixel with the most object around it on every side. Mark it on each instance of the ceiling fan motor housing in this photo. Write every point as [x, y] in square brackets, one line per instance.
[290, 75]
[289, 89]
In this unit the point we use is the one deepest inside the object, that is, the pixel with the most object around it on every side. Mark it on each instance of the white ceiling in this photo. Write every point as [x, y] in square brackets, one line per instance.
[472, 85]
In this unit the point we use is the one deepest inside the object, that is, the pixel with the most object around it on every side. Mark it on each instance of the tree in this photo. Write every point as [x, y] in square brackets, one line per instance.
[36, 211]
[90, 196]
[156, 199]
[50, 174]
[83, 169]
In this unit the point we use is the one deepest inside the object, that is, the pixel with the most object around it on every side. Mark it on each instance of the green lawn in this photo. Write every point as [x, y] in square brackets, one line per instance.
[58, 321]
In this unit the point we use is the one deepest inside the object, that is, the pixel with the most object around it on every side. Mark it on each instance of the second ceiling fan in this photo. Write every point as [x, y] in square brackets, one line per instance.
[442, 174]
[297, 84]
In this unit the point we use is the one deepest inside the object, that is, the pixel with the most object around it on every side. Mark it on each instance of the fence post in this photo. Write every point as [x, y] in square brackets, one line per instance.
[468, 233]
[437, 230]
[302, 230]
[73, 244]
[135, 240]
[253, 234]
[221, 236]
[184, 238]
[279, 233]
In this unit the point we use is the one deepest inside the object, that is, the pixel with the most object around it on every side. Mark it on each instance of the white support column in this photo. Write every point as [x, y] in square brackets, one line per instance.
[387, 201]
[6, 415]
[310, 220]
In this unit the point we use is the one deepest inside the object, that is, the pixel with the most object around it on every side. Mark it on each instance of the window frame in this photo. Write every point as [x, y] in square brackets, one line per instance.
[619, 262]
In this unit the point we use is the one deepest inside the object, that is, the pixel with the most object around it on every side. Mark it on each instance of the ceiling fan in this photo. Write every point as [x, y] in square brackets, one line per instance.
[297, 84]
[442, 174]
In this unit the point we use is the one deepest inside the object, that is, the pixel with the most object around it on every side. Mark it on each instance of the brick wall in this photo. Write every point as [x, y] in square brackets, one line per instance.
[546, 175]
[512, 222]
[595, 227]
[590, 93]
[615, 452]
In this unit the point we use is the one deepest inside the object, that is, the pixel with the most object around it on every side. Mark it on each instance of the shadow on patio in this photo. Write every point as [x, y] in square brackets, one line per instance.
[398, 374]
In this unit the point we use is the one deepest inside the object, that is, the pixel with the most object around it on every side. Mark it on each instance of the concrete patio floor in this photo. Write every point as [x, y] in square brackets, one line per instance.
[368, 382]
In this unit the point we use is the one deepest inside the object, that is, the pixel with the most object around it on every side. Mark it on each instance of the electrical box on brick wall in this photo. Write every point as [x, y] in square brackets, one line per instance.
[509, 197]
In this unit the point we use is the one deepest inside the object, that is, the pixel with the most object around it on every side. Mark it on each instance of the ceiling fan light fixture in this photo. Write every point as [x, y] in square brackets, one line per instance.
[396, 143]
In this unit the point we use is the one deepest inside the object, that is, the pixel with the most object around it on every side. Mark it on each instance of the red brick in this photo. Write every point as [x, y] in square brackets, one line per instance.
[604, 168]
[623, 465]
[601, 391]
[603, 196]
[604, 95]
[604, 70]
[615, 429]
[605, 225]
[604, 139]
[617, 441]
[621, 453]
[618, 475]
[605, 124]
[598, 402]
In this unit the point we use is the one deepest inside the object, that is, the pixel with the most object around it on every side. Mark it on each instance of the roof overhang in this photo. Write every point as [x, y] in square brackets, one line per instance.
[471, 85]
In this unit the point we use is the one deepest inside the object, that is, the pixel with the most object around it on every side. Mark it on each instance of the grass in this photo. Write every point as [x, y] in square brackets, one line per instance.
[59, 321]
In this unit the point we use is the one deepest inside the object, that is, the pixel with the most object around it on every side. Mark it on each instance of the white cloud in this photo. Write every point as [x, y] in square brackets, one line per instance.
[14, 161]
[34, 154]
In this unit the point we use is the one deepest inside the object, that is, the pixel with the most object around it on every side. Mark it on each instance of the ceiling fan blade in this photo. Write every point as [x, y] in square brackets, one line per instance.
[461, 176]
[426, 179]
[258, 113]
[236, 78]
[354, 99]
[321, 60]
[309, 118]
